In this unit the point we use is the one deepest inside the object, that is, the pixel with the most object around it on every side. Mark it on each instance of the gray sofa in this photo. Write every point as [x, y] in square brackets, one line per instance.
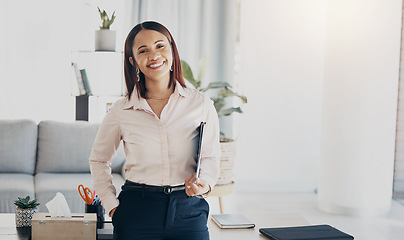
[42, 159]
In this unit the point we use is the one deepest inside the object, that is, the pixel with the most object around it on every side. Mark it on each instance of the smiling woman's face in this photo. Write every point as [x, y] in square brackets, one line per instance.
[153, 55]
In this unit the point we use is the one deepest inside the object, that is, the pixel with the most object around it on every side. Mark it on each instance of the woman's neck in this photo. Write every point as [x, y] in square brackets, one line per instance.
[158, 89]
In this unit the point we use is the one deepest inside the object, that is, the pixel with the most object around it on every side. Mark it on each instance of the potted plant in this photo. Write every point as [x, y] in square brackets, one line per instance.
[223, 90]
[104, 37]
[24, 211]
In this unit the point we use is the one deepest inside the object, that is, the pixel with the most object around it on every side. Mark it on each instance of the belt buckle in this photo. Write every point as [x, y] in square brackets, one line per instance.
[167, 189]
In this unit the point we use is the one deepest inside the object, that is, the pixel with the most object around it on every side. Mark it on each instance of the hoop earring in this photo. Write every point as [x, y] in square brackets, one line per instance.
[171, 68]
[137, 74]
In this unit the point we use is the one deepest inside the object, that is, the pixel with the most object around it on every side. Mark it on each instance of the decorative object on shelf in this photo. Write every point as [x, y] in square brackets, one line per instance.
[223, 91]
[82, 81]
[80, 84]
[24, 211]
[104, 37]
[86, 83]
[82, 107]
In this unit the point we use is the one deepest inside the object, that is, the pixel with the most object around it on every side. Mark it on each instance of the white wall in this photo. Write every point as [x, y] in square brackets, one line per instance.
[289, 49]
[34, 79]
[360, 106]
[282, 46]
[35, 54]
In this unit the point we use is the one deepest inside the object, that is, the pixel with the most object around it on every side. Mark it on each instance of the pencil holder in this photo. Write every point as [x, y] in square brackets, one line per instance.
[100, 211]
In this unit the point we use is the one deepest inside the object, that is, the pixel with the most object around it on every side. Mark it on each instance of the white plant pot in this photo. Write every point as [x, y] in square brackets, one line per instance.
[23, 216]
[105, 40]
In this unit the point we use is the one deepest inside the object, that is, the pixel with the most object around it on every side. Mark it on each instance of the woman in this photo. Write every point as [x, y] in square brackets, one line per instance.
[158, 123]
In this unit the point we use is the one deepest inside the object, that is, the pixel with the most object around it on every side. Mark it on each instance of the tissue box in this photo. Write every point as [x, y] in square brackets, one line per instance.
[79, 226]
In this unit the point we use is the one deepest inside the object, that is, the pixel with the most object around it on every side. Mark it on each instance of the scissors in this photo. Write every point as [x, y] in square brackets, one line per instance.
[86, 194]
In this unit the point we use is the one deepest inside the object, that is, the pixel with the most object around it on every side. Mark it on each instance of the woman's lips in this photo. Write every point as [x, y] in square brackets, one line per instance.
[156, 65]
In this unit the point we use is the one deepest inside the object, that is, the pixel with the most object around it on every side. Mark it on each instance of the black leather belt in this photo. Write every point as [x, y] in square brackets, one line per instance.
[131, 186]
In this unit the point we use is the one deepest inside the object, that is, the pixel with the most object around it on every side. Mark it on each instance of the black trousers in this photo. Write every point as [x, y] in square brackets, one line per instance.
[145, 215]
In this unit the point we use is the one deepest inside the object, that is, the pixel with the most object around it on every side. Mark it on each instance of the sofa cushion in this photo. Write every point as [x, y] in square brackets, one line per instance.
[14, 185]
[48, 184]
[18, 140]
[66, 147]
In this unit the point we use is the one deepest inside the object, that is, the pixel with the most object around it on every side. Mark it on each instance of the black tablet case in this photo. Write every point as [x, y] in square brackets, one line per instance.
[305, 233]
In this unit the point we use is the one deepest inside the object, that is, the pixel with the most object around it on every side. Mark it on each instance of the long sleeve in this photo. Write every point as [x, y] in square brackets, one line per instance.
[104, 149]
[210, 153]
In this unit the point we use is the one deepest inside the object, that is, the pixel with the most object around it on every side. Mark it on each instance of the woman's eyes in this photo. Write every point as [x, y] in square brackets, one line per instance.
[145, 50]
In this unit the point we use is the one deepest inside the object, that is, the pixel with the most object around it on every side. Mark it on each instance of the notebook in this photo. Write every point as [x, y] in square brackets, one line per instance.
[232, 221]
[305, 233]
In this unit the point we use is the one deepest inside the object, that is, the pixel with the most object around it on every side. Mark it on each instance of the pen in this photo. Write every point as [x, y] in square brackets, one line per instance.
[96, 201]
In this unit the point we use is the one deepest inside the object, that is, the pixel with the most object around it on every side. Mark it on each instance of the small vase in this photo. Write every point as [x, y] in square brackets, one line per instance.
[105, 40]
[23, 216]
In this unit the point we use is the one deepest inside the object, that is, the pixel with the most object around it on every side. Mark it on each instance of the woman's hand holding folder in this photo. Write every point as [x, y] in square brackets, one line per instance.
[198, 188]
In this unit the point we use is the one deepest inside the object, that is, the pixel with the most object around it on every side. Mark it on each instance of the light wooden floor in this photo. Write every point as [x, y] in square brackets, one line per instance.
[389, 227]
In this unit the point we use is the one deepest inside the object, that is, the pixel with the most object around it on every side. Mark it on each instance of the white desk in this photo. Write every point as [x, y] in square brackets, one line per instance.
[261, 221]
[9, 232]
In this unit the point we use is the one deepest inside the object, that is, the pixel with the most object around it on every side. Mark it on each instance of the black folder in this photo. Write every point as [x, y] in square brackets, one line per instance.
[198, 159]
[312, 232]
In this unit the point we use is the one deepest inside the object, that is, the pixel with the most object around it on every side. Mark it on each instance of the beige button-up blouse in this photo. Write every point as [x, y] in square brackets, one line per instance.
[159, 151]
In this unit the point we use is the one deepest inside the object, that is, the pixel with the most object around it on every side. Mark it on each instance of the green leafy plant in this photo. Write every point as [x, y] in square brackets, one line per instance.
[26, 203]
[106, 21]
[223, 89]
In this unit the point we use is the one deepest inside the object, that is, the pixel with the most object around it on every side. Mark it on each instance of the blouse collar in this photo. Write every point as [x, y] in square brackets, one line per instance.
[137, 102]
